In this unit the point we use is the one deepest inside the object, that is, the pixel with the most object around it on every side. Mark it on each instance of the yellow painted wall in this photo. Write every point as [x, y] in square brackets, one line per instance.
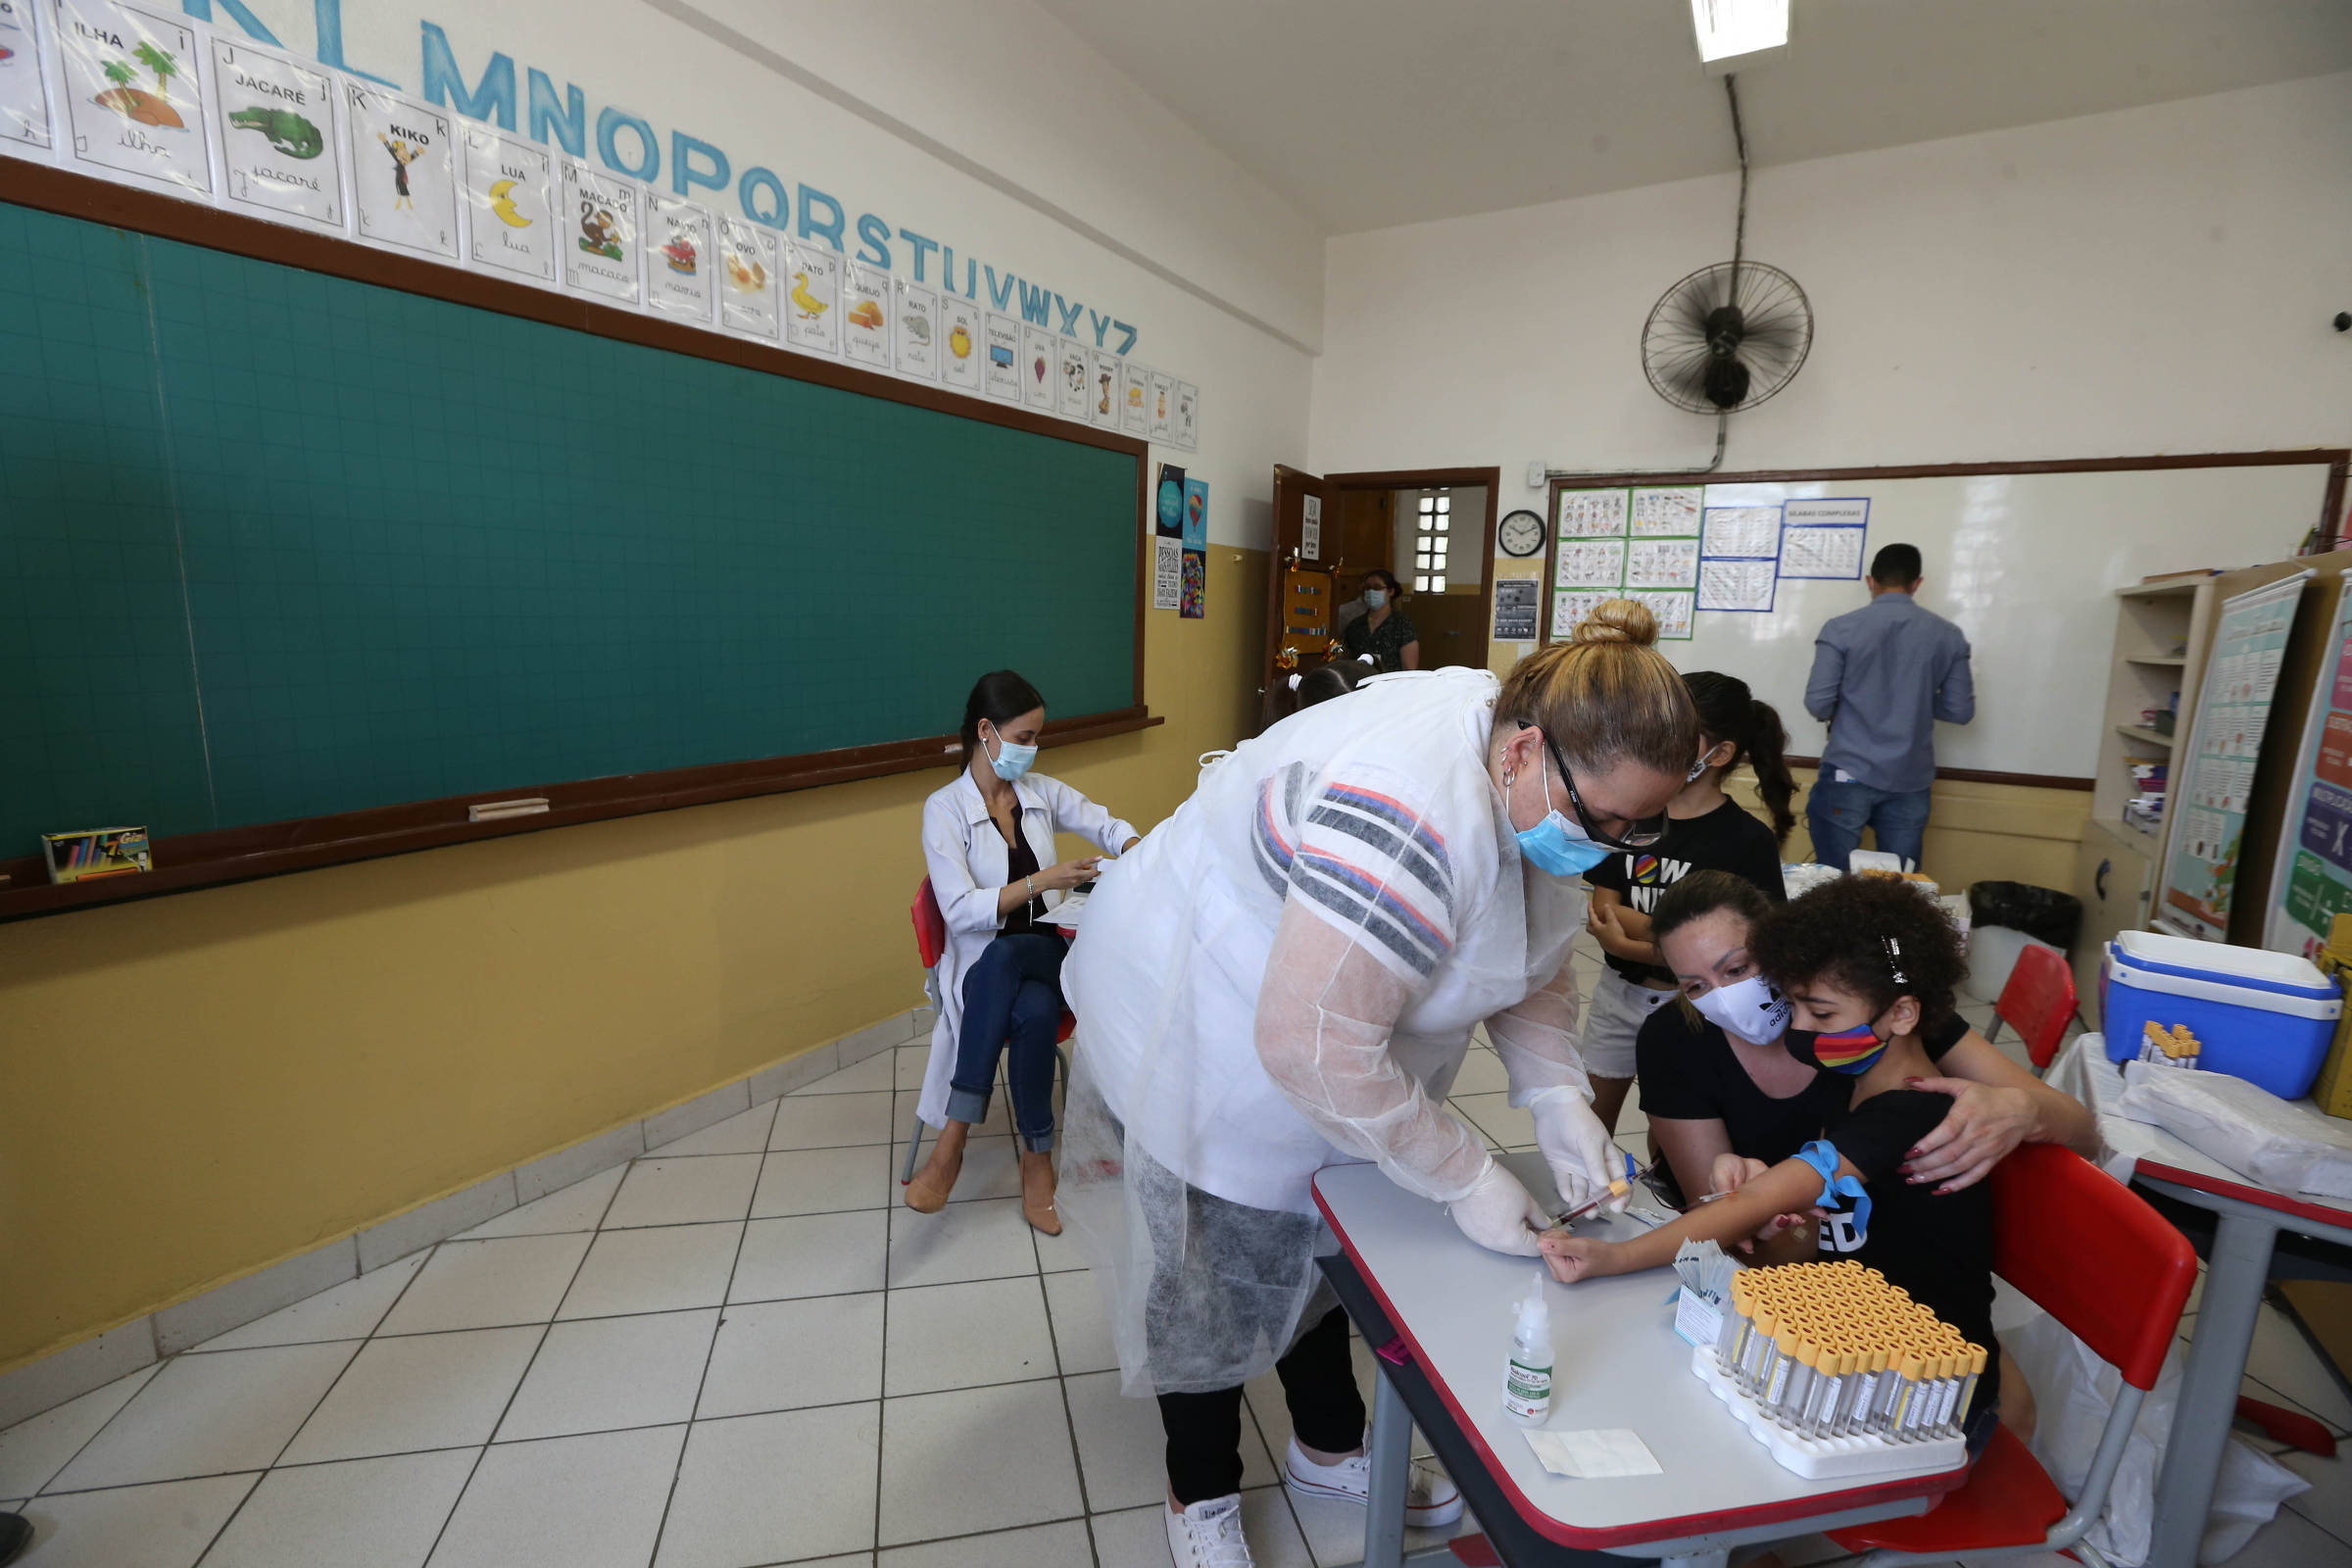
[198, 1086]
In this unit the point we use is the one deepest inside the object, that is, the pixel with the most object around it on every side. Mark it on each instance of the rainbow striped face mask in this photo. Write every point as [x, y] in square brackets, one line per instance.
[1847, 1050]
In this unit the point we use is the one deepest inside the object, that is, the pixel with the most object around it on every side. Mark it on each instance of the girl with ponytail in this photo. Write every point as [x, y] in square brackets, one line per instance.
[1706, 831]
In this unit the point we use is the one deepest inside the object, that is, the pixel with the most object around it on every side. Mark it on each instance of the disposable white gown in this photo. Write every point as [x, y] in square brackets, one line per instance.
[1281, 977]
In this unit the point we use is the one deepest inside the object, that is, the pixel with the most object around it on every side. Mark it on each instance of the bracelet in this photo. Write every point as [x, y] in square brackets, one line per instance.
[1032, 881]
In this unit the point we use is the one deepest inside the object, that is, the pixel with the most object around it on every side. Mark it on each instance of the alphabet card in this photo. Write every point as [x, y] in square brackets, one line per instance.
[1002, 372]
[813, 298]
[1163, 409]
[24, 92]
[134, 110]
[601, 227]
[1103, 388]
[280, 154]
[919, 332]
[963, 342]
[681, 259]
[1134, 393]
[510, 200]
[1072, 374]
[865, 319]
[1188, 416]
[1041, 355]
[750, 261]
[403, 163]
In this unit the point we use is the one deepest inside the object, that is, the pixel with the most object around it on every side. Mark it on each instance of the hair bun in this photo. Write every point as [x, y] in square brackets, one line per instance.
[1618, 621]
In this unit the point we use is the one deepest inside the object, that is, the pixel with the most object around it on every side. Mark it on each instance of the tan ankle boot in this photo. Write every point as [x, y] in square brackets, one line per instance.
[1037, 1192]
[928, 1193]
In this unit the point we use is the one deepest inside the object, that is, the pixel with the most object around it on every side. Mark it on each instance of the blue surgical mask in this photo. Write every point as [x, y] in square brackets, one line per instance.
[1374, 598]
[1010, 760]
[1557, 846]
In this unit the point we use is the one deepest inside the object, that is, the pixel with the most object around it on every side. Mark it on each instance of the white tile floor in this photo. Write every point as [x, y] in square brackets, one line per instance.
[737, 1351]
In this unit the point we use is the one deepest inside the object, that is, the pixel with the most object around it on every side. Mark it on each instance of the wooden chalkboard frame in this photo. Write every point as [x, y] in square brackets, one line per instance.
[236, 855]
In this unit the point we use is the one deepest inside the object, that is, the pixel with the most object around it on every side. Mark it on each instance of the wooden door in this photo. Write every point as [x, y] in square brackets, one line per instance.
[1298, 582]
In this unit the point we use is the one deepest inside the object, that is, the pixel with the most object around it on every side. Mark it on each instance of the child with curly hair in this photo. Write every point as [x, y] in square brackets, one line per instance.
[1866, 967]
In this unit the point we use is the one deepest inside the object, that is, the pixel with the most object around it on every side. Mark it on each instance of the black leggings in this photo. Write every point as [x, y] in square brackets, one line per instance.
[1318, 1382]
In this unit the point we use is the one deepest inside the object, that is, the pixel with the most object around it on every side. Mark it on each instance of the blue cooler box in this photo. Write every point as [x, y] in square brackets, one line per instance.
[2265, 1018]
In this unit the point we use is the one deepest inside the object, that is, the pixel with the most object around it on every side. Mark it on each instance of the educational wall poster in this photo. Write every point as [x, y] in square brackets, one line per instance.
[1588, 563]
[1002, 372]
[1135, 387]
[866, 315]
[1740, 533]
[963, 346]
[813, 298]
[1517, 602]
[1195, 514]
[1188, 416]
[1661, 563]
[751, 268]
[1666, 512]
[1040, 358]
[1310, 528]
[1592, 515]
[279, 155]
[1168, 508]
[1816, 551]
[2312, 883]
[24, 91]
[1570, 607]
[1672, 610]
[509, 195]
[1736, 585]
[1103, 388]
[2210, 779]
[134, 109]
[404, 180]
[1192, 596]
[917, 349]
[681, 264]
[601, 233]
[1164, 413]
[1073, 374]
[1167, 571]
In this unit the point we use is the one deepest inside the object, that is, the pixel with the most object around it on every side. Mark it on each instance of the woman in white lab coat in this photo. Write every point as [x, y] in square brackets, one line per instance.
[988, 841]
[1285, 977]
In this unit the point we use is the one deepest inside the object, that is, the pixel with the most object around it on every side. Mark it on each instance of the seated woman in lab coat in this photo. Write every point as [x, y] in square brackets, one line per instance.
[988, 841]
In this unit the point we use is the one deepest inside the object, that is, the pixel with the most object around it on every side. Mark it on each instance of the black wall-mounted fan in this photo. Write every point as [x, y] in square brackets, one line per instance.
[1727, 337]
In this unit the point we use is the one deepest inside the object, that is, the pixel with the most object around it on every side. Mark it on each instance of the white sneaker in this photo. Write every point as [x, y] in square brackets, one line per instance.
[1208, 1535]
[1431, 1500]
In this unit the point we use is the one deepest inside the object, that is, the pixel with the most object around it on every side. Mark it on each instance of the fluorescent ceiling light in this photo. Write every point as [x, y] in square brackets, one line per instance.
[1737, 31]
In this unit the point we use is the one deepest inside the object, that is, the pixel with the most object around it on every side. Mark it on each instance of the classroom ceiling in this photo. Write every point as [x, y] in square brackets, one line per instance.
[1370, 113]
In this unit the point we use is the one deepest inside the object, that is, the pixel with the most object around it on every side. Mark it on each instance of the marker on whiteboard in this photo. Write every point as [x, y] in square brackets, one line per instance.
[497, 810]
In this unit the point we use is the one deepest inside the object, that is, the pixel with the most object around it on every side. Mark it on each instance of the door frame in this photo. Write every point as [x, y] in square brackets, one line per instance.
[1443, 479]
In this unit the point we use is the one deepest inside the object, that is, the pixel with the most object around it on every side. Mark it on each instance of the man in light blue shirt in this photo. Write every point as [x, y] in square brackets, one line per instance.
[1882, 675]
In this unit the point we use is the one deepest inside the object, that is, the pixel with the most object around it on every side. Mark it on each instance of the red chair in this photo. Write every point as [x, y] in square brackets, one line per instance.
[930, 946]
[2105, 1264]
[2038, 1002]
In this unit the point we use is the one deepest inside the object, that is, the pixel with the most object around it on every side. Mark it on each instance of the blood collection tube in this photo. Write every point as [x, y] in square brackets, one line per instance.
[1735, 1323]
[1977, 1357]
[1791, 1380]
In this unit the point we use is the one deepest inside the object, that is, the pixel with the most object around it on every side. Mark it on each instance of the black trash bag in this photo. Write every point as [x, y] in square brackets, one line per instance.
[2045, 913]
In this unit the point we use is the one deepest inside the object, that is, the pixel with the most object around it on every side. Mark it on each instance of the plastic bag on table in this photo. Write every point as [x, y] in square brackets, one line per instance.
[2045, 912]
[2290, 1146]
[2074, 1390]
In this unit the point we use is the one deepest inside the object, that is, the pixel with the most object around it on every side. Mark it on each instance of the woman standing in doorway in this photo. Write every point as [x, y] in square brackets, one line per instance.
[1383, 631]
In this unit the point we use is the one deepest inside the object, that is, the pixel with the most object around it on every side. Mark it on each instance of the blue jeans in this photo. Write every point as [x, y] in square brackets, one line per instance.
[1011, 997]
[1836, 814]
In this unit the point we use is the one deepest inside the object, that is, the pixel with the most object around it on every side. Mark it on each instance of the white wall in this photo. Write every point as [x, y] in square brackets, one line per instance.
[2153, 280]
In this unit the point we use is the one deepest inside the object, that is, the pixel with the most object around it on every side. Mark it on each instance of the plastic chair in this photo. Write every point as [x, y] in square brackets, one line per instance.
[2038, 1002]
[930, 946]
[2099, 1261]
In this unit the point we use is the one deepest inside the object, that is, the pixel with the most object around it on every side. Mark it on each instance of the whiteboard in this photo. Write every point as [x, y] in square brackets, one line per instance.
[2026, 564]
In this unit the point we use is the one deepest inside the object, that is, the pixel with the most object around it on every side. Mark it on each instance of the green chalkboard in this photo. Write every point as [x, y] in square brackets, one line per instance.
[275, 544]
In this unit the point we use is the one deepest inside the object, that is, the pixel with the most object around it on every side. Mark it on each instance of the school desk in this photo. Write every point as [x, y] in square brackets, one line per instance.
[2249, 1217]
[1442, 1310]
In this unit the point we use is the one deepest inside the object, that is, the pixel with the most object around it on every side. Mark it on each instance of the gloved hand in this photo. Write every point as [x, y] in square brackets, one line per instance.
[1499, 1213]
[1575, 1145]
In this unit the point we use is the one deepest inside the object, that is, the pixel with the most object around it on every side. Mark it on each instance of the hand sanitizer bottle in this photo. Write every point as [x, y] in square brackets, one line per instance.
[1527, 1378]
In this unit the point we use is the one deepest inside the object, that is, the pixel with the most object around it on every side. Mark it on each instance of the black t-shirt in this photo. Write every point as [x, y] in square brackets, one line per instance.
[1020, 860]
[1937, 1246]
[1726, 838]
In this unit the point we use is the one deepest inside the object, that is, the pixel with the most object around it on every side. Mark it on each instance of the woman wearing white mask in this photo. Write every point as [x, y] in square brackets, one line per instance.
[987, 839]
[1285, 977]
[1725, 1098]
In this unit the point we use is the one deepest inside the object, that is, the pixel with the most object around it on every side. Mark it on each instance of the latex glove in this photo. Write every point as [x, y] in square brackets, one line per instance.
[1500, 1214]
[1575, 1145]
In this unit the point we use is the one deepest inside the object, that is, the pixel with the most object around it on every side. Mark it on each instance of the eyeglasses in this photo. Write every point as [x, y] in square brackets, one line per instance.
[1642, 834]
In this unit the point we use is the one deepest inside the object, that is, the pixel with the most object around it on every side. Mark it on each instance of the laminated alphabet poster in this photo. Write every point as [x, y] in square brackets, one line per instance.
[1661, 563]
[1135, 391]
[1666, 512]
[134, 112]
[962, 343]
[509, 193]
[918, 350]
[1672, 611]
[601, 230]
[812, 298]
[1588, 563]
[24, 92]
[1570, 607]
[1592, 515]
[750, 261]
[403, 183]
[1041, 361]
[279, 152]
[1002, 371]
[1103, 385]
[681, 259]
[866, 298]
[1188, 416]
[1071, 374]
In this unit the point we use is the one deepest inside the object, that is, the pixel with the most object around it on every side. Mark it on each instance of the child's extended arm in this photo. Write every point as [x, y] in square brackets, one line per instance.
[1791, 1187]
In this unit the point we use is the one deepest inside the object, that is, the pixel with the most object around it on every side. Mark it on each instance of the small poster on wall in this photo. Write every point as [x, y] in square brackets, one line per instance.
[1188, 416]
[919, 332]
[1569, 608]
[1072, 376]
[1517, 601]
[1167, 571]
[1662, 563]
[1672, 610]
[1588, 563]
[24, 91]
[812, 298]
[404, 177]
[1741, 533]
[602, 229]
[964, 345]
[751, 259]
[1592, 515]
[680, 267]
[1103, 388]
[1310, 528]
[1002, 374]
[1135, 389]
[866, 296]
[279, 147]
[1167, 510]
[511, 200]
[1195, 514]
[1164, 413]
[1193, 597]
[1736, 585]
[1667, 512]
[1040, 359]
[134, 110]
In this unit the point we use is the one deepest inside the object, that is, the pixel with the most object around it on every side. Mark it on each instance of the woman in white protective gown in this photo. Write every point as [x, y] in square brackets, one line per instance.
[1284, 976]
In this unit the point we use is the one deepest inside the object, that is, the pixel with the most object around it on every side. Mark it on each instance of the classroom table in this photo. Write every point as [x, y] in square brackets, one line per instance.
[1442, 1310]
[2248, 1218]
